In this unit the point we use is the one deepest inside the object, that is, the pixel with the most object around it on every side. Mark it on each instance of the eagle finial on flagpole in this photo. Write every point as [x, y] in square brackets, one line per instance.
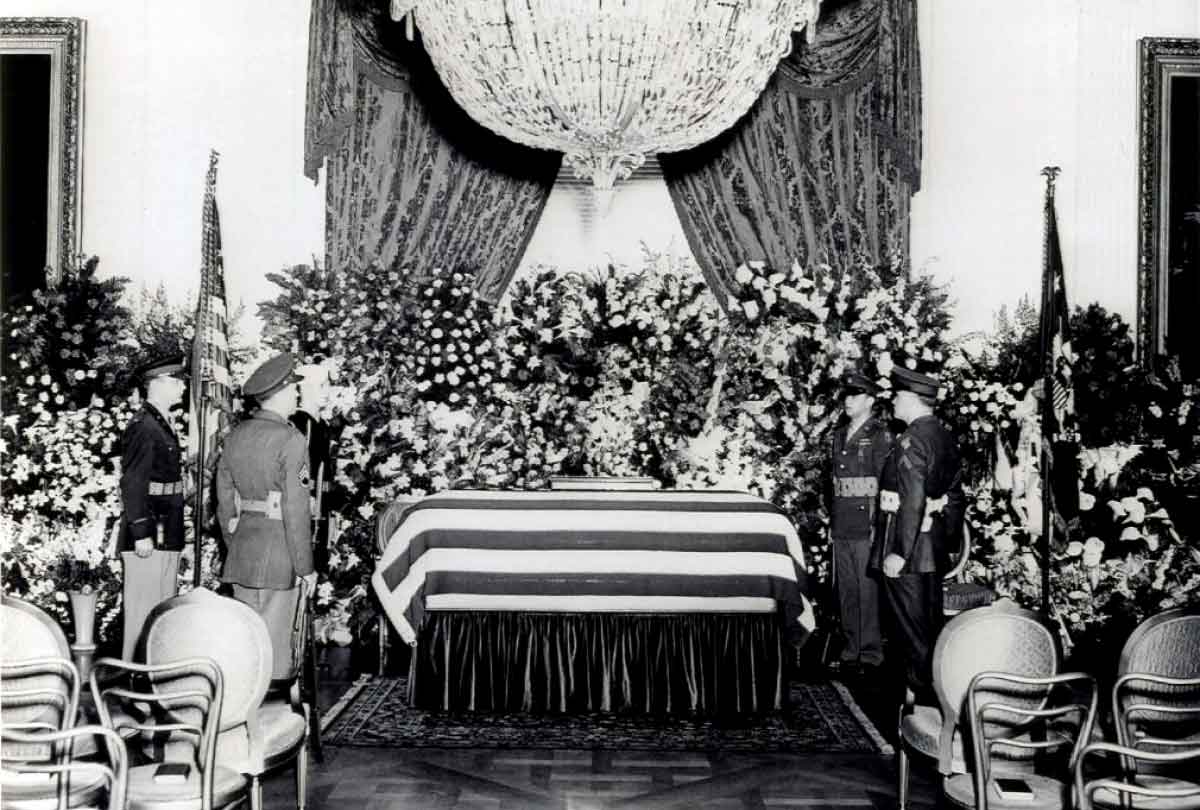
[1051, 173]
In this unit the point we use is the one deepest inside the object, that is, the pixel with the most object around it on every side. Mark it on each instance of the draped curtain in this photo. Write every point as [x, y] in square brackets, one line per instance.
[411, 181]
[822, 168]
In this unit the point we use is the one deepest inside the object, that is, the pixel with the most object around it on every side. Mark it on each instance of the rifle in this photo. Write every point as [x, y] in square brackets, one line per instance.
[309, 668]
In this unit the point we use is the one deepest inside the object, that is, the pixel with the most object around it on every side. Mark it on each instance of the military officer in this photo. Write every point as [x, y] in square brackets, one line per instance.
[263, 510]
[314, 396]
[860, 446]
[151, 528]
[921, 505]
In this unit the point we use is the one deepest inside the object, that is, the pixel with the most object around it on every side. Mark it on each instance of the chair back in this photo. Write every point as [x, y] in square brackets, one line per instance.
[1158, 674]
[27, 631]
[29, 635]
[1120, 785]
[203, 624]
[1061, 707]
[998, 638]
[175, 706]
[78, 781]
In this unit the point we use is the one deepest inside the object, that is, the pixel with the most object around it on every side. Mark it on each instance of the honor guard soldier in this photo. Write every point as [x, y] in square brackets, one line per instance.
[263, 509]
[151, 534]
[921, 506]
[314, 396]
[860, 446]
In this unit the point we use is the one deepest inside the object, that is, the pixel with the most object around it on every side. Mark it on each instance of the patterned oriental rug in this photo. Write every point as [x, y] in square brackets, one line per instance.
[821, 717]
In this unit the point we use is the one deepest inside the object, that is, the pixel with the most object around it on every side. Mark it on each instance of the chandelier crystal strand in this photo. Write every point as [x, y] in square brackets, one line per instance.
[607, 82]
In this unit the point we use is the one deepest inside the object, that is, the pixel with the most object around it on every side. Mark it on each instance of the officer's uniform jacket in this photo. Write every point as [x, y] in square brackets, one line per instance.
[921, 500]
[151, 482]
[858, 460]
[263, 483]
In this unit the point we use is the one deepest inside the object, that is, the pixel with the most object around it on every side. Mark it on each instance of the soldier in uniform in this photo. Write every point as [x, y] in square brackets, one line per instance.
[263, 510]
[314, 395]
[921, 506]
[860, 446]
[151, 529]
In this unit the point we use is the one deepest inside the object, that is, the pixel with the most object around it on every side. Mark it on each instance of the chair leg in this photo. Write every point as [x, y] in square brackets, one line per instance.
[256, 792]
[302, 777]
[902, 776]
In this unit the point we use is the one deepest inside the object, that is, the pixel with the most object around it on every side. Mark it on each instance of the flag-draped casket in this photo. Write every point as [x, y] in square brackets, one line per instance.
[591, 553]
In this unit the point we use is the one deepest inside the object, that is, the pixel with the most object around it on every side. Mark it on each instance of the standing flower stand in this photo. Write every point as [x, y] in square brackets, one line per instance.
[83, 613]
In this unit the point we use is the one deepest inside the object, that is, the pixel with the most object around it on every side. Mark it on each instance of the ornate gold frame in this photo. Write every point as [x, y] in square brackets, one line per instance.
[63, 39]
[1159, 60]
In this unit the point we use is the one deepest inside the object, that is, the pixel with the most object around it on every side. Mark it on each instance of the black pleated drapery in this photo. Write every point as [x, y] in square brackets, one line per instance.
[822, 168]
[412, 182]
[692, 663]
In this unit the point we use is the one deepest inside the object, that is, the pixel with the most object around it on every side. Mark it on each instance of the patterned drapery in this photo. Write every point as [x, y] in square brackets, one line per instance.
[823, 167]
[411, 181]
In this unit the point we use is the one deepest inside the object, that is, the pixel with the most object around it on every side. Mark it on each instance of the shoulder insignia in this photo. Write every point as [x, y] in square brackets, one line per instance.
[305, 480]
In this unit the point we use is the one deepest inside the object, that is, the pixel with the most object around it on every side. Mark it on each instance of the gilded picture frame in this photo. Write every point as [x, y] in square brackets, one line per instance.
[1168, 189]
[63, 40]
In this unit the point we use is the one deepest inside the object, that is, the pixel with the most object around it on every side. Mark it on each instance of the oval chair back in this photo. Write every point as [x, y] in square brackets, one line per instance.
[1158, 675]
[201, 623]
[999, 638]
[46, 696]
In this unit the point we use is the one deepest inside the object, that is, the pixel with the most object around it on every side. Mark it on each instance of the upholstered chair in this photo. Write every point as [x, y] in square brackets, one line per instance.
[1060, 712]
[998, 638]
[1118, 785]
[957, 593]
[68, 779]
[1157, 690]
[174, 710]
[255, 738]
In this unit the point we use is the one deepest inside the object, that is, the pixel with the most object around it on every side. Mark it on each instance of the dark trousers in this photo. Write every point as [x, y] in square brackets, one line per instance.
[915, 604]
[858, 600]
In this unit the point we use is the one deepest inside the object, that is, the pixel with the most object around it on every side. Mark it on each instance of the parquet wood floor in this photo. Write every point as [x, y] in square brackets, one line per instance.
[491, 779]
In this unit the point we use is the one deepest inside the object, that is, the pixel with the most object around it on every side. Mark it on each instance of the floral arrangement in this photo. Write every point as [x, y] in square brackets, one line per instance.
[67, 395]
[616, 372]
[640, 372]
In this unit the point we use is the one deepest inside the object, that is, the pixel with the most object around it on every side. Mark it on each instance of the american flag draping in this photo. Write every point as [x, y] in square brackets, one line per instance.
[211, 400]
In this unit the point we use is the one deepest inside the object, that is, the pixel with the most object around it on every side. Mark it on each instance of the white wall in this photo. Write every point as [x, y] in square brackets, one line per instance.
[1009, 88]
[165, 82]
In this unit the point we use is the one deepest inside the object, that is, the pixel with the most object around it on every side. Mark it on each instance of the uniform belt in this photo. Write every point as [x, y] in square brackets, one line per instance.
[271, 507]
[859, 486]
[166, 488]
[889, 501]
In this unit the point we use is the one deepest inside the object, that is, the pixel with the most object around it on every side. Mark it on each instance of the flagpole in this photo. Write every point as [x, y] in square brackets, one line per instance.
[198, 539]
[1046, 341]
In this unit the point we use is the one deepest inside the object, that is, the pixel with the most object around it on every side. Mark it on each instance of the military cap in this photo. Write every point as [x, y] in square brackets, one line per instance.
[854, 382]
[272, 375]
[170, 365]
[905, 379]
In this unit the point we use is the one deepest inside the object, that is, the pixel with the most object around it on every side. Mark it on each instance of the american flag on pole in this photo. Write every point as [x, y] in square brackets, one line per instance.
[1056, 337]
[211, 396]
[1059, 432]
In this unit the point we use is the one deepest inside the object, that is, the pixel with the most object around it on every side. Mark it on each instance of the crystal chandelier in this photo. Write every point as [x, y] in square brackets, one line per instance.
[607, 82]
